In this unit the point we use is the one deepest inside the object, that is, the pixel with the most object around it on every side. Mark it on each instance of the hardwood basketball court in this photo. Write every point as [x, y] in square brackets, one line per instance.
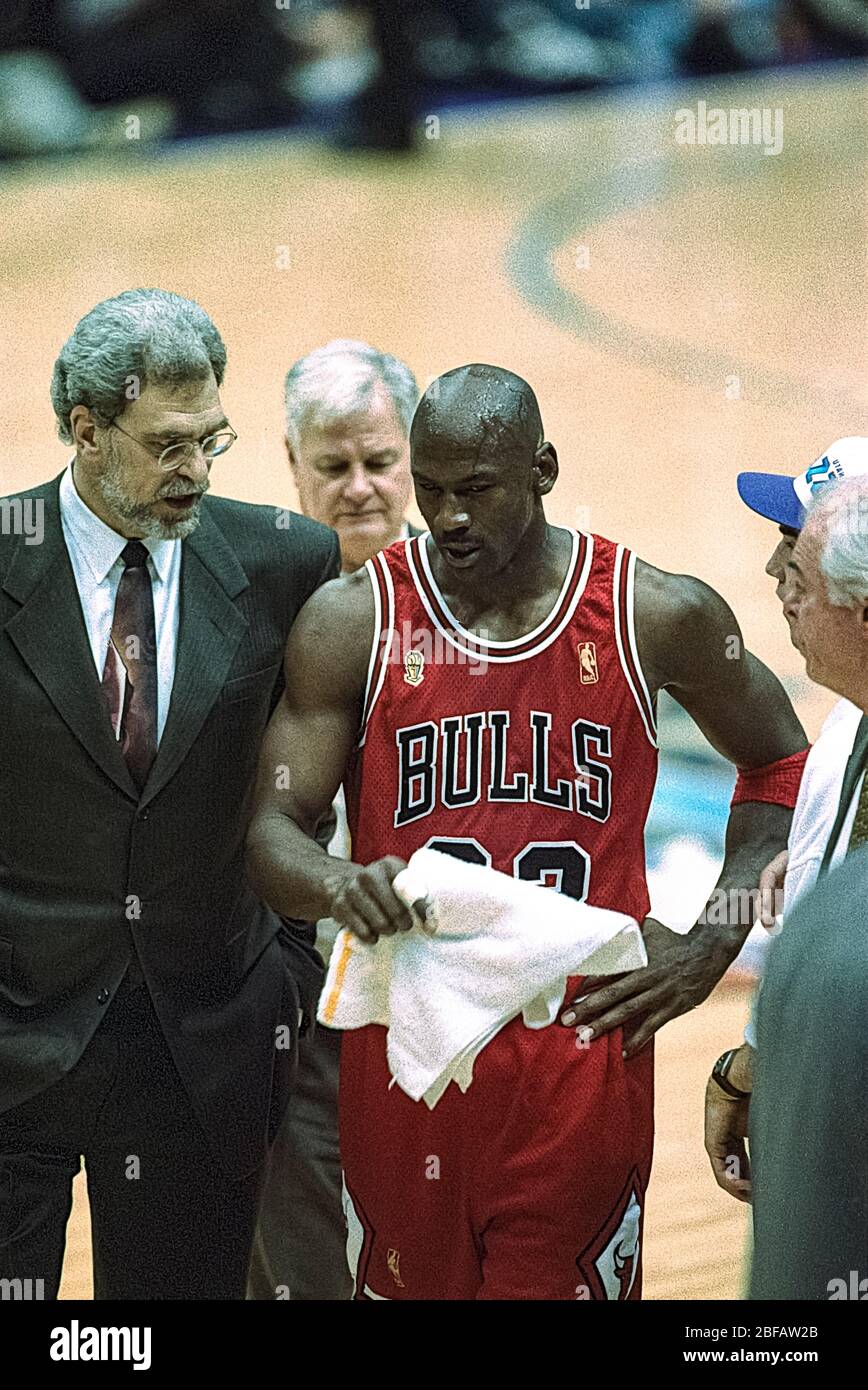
[683, 312]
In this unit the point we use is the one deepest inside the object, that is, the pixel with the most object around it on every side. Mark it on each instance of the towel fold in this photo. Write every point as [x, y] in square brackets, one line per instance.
[494, 947]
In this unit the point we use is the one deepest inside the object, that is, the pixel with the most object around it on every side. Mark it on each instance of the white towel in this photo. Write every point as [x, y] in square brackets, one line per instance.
[494, 947]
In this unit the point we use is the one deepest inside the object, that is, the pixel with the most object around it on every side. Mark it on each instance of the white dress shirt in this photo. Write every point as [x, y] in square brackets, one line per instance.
[814, 816]
[95, 554]
[817, 803]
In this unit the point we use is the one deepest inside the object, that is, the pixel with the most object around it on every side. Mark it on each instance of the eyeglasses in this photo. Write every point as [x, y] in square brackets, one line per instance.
[176, 455]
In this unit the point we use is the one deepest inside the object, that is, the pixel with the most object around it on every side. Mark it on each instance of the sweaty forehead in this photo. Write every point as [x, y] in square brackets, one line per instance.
[469, 433]
[477, 408]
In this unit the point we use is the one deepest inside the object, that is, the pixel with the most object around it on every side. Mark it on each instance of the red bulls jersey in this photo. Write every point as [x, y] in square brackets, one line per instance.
[536, 756]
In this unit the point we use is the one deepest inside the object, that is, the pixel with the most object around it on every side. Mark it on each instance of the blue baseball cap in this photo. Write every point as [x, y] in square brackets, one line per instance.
[784, 500]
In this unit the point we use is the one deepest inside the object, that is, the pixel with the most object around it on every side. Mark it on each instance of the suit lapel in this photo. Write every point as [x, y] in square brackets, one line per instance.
[50, 635]
[209, 632]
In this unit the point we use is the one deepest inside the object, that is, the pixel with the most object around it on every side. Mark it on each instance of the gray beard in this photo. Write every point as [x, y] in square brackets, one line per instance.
[139, 514]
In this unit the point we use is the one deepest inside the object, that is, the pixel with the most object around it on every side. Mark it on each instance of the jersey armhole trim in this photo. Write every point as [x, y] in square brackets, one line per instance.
[623, 596]
[383, 590]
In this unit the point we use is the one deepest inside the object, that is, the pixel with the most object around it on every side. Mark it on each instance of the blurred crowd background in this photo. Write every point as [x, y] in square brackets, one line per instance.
[76, 74]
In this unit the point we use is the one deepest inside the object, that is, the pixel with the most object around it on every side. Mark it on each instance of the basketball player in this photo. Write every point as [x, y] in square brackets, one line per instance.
[524, 739]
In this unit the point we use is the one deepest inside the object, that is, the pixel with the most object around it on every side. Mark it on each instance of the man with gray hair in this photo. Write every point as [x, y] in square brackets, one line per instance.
[826, 785]
[150, 1003]
[808, 1118]
[348, 415]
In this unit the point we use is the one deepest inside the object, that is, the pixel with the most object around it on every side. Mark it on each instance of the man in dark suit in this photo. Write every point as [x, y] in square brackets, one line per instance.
[348, 413]
[808, 1118]
[150, 1003]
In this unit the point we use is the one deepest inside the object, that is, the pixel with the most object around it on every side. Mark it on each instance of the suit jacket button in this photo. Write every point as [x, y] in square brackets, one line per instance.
[103, 996]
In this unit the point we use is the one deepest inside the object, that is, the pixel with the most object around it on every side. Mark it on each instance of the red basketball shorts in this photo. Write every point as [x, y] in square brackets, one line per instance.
[529, 1186]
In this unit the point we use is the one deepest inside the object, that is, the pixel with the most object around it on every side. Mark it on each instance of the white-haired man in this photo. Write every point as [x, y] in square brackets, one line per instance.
[808, 1119]
[348, 414]
[824, 802]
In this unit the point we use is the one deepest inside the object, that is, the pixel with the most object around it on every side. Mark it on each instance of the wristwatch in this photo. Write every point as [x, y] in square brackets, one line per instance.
[720, 1072]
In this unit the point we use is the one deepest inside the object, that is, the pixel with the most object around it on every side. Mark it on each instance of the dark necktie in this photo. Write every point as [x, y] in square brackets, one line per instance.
[130, 676]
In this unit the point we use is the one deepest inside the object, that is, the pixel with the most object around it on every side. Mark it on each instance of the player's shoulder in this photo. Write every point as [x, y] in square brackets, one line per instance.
[661, 597]
[678, 619]
[332, 637]
[340, 611]
[670, 599]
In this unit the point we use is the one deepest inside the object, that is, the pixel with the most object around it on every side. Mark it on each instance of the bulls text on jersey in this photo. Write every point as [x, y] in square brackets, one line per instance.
[453, 764]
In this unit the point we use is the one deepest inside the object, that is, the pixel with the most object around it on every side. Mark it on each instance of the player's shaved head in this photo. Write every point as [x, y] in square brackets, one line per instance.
[481, 468]
[478, 409]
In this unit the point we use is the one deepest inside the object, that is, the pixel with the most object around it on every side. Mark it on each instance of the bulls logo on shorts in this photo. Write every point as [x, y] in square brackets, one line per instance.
[610, 1263]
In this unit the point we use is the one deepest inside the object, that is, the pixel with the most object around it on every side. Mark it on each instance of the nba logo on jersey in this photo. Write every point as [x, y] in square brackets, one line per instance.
[588, 663]
[414, 663]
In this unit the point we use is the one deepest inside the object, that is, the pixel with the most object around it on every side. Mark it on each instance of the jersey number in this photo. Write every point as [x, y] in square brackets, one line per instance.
[559, 864]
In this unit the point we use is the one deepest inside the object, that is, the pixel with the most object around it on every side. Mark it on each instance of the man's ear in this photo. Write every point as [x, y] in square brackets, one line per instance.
[293, 461]
[83, 425]
[545, 463]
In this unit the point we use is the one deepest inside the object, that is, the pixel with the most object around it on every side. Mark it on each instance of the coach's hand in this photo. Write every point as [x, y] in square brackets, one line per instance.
[771, 886]
[726, 1121]
[365, 902]
[682, 970]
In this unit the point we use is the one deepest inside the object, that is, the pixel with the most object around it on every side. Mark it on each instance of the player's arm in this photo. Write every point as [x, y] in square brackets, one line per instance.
[690, 644]
[693, 648]
[304, 753]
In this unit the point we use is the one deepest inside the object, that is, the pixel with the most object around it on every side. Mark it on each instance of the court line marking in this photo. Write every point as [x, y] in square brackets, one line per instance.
[542, 234]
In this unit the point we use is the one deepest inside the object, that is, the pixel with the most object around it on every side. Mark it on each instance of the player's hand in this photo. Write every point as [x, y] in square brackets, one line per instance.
[365, 902]
[726, 1122]
[770, 886]
[682, 970]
